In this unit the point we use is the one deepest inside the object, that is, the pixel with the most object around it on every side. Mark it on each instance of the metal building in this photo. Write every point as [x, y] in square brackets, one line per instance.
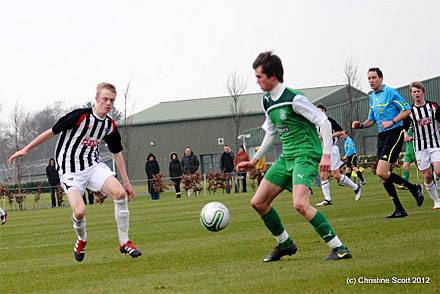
[205, 125]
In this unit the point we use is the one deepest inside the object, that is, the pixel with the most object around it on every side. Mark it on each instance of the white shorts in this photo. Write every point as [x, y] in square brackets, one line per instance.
[336, 158]
[91, 178]
[426, 157]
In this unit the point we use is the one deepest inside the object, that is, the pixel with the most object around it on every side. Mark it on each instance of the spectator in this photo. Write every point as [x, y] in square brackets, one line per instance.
[242, 156]
[227, 166]
[175, 170]
[261, 166]
[54, 180]
[152, 168]
[190, 164]
[90, 196]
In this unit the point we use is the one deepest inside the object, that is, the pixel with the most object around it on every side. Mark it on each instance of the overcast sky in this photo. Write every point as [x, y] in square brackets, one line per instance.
[60, 50]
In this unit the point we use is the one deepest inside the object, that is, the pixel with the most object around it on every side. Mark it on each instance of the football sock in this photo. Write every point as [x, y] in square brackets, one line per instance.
[391, 190]
[437, 177]
[406, 175]
[432, 191]
[348, 175]
[323, 228]
[80, 228]
[360, 176]
[2, 212]
[122, 219]
[325, 186]
[273, 223]
[348, 182]
[394, 178]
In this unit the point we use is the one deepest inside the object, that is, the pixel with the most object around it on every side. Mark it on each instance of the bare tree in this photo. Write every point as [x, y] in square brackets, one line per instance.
[125, 131]
[115, 114]
[352, 81]
[17, 136]
[41, 121]
[236, 86]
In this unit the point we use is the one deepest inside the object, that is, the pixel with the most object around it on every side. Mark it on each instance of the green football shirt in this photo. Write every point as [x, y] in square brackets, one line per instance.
[297, 133]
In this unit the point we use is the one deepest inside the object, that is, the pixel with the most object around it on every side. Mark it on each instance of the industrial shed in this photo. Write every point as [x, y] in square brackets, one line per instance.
[203, 124]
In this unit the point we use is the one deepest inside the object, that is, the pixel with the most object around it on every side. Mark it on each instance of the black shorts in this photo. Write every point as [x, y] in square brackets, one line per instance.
[352, 161]
[389, 144]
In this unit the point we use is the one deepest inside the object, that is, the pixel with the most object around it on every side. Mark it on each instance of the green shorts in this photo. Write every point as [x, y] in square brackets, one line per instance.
[287, 173]
[410, 156]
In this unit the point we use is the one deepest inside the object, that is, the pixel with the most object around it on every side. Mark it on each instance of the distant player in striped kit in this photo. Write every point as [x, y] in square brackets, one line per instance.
[290, 115]
[351, 157]
[3, 216]
[388, 109]
[79, 165]
[425, 118]
[336, 164]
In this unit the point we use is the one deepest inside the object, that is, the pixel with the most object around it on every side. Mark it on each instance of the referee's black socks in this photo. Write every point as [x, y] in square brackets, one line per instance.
[394, 178]
[391, 190]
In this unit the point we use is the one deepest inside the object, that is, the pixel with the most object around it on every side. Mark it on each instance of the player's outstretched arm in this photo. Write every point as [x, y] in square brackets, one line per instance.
[119, 161]
[37, 141]
[366, 124]
[246, 165]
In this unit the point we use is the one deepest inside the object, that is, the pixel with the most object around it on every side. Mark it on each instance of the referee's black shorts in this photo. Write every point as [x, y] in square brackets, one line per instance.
[352, 161]
[389, 144]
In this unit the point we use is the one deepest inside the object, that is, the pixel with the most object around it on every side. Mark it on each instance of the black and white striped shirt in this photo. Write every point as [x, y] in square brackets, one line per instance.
[425, 121]
[81, 131]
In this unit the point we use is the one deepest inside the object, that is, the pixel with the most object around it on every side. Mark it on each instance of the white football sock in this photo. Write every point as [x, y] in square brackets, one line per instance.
[325, 186]
[432, 191]
[283, 237]
[122, 216]
[80, 228]
[346, 181]
[334, 243]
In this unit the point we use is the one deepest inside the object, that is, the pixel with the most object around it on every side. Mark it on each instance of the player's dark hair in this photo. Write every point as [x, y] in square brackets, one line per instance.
[322, 106]
[377, 70]
[271, 65]
[241, 146]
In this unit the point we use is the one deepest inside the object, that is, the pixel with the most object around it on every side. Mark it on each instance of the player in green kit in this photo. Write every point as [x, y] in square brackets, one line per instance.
[291, 116]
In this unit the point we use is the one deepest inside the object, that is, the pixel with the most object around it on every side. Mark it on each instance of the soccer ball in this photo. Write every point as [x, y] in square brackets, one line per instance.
[214, 216]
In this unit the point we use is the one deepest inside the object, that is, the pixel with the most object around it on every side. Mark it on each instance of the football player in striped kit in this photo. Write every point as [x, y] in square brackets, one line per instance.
[80, 167]
[425, 118]
[336, 164]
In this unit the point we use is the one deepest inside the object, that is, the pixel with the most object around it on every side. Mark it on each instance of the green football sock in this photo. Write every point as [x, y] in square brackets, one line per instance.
[322, 227]
[273, 223]
[406, 175]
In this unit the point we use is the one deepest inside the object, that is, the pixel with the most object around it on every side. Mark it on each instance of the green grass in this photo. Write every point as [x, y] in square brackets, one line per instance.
[179, 255]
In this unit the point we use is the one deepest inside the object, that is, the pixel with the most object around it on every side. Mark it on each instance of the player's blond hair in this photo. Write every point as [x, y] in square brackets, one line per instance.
[107, 86]
[417, 85]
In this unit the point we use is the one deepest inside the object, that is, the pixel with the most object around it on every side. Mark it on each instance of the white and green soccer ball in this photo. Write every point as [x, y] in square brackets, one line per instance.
[214, 216]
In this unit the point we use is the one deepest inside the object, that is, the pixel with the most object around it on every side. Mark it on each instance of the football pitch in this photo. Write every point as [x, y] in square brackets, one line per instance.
[179, 255]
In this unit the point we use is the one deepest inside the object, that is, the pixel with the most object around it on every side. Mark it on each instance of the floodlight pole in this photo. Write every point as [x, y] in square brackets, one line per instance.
[244, 137]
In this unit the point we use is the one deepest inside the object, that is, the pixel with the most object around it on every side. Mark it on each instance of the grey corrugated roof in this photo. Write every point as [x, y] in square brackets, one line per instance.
[202, 108]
